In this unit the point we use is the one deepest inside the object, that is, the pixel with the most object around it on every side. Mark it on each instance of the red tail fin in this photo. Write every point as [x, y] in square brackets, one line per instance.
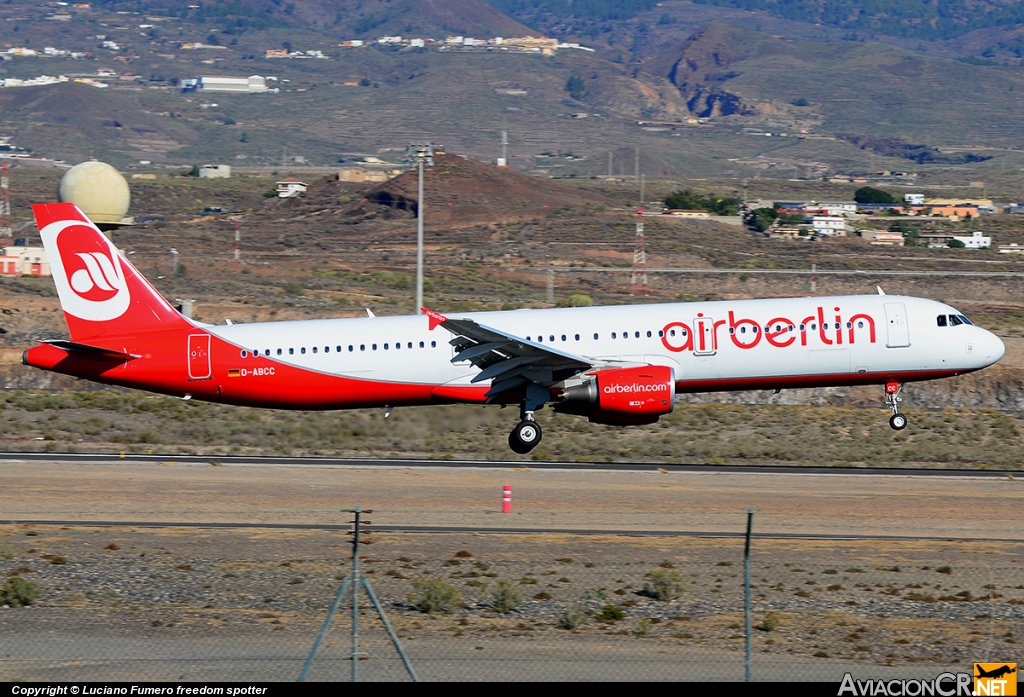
[100, 291]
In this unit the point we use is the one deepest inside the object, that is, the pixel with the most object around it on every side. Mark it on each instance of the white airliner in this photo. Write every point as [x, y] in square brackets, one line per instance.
[615, 365]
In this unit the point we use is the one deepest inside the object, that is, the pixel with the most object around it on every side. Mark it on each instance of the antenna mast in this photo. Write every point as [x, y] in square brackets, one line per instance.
[639, 277]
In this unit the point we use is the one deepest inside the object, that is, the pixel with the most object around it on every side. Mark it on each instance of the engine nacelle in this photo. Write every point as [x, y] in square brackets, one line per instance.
[623, 396]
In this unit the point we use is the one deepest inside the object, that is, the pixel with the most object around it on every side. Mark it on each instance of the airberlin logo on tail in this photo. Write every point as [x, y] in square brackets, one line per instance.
[86, 270]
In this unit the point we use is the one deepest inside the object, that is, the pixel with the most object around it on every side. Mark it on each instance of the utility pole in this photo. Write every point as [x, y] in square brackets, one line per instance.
[174, 255]
[611, 156]
[238, 251]
[814, 275]
[636, 166]
[424, 155]
[551, 287]
[6, 228]
[503, 162]
[639, 277]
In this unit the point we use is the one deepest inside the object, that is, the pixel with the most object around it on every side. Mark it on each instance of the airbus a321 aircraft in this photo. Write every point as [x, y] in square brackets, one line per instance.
[615, 365]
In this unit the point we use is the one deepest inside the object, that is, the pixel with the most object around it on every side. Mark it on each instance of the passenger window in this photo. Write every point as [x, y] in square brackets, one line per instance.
[648, 335]
[244, 354]
[362, 347]
[563, 337]
[595, 337]
[350, 348]
[327, 349]
[954, 320]
[433, 344]
[860, 325]
[613, 336]
[314, 350]
[849, 325]
[409, 345]
[291, 352]
[338, 349]
[421, 344]
[671, 332]
[552, 337]
[661, 332]
[385, 347]
[373, 346]
[802, 327]
[637, 335]
[813, 326]
[398, 345]
[577, 337]
[279, 352]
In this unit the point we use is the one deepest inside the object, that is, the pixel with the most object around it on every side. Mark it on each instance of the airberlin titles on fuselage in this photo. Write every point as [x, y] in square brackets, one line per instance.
[779, 332]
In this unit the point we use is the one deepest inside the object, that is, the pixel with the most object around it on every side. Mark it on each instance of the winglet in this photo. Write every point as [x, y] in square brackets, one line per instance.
[880, 291]
[434, 318]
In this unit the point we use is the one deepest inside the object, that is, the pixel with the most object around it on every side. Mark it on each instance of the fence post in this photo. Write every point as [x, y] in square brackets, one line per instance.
[746, 589]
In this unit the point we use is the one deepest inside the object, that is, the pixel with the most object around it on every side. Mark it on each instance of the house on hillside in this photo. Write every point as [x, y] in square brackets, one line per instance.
[290, 188]
[24, 261]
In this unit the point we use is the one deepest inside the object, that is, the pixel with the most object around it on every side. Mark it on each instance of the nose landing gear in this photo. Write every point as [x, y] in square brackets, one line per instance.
[897, 421]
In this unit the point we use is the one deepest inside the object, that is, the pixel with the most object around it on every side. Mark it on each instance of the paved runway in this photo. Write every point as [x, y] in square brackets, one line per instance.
[274, 461]
[444, 496]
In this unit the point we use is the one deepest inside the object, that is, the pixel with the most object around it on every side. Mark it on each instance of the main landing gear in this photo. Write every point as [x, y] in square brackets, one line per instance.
[527, 434]
[897, 421]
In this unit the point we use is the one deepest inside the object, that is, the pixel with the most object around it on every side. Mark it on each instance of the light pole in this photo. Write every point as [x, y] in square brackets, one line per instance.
[424, 154]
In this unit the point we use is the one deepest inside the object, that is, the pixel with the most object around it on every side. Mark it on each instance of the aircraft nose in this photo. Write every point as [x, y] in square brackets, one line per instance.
[994, 348]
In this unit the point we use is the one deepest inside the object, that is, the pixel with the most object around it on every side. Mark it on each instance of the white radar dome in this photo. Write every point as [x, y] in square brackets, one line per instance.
[98, 189]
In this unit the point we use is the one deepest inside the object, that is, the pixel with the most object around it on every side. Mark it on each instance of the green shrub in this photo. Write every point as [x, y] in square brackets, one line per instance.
[769, 623]
[580, 300]
[434, 596]
[18, 591]
[611, 613]
[505, 597]
[665, 584]
[572, 618]
[7, 551]
[645, 626]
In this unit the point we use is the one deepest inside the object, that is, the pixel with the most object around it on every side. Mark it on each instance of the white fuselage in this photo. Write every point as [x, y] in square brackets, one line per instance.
[724, 345]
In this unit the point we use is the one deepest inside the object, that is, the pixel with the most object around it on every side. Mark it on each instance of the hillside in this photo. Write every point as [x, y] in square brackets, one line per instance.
[843, 88]
[458, 192]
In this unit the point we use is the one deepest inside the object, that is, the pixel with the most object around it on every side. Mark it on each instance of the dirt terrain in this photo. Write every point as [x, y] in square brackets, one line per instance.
[864, 603]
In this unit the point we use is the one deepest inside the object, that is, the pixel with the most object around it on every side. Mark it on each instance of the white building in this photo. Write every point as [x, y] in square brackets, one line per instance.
[24, 261]
[289, 188]
[215, 171]
[836, 207]
[1012, 248]
[240, 85]
[828, 226]
[914, 199]
[976, 241]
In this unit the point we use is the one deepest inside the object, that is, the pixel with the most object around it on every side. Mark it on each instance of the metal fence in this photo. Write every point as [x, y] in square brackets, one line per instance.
[114, 615]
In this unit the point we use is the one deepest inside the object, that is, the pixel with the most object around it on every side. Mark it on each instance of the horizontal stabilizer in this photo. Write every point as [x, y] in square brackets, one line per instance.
[92, 350]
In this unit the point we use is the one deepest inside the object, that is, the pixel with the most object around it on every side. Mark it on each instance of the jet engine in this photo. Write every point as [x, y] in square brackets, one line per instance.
[622, 396]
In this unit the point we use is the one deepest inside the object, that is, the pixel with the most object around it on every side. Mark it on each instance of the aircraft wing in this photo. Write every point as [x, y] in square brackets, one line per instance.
[508, 361]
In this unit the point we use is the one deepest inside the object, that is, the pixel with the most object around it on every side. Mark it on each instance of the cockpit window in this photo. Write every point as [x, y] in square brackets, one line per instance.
[966, 321]
[955, 320]
[941, 320]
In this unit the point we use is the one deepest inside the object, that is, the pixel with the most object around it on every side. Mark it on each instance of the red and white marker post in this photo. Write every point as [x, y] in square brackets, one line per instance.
[506, 499]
